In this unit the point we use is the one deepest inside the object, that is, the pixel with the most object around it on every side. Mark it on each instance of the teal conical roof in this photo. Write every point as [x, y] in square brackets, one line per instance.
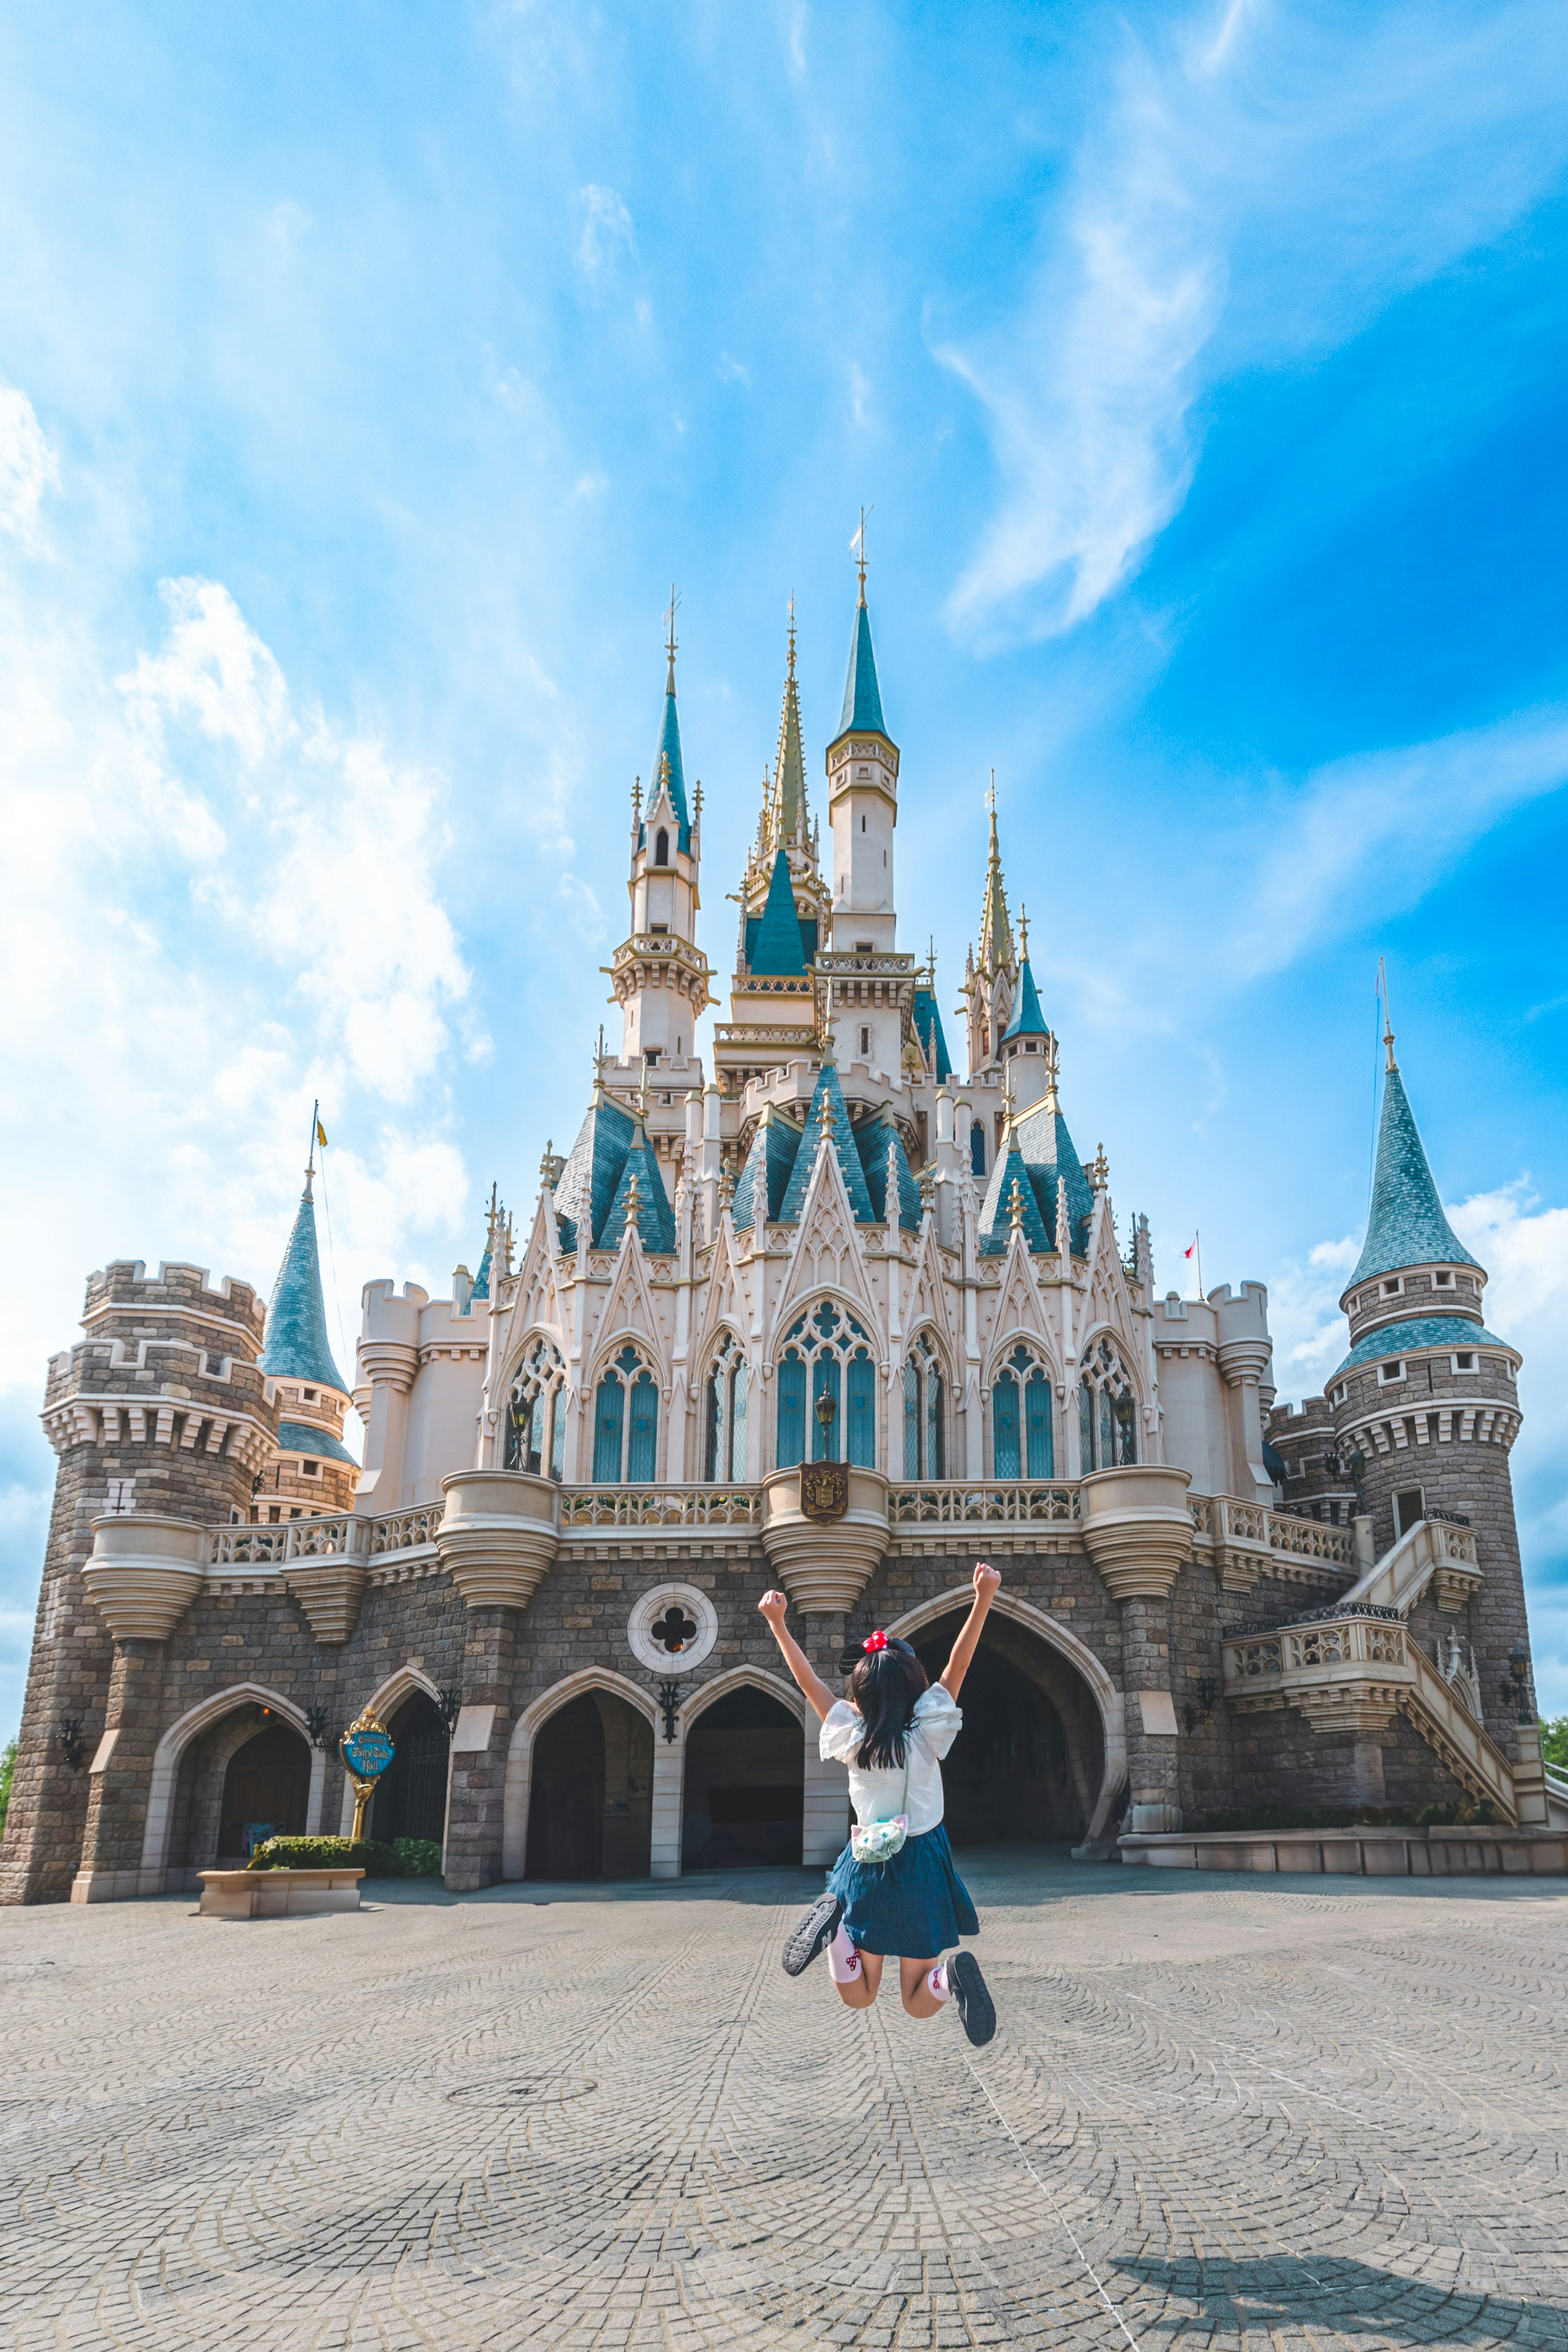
[760, 1187]
[862, 696]
[777, 950]
[828, 1096]
[297, 1346]
[669, 753]
[1050, 1156]
[1028, 1020]
[655, 1218]
[872, 1140]
[928, 1023]
[1405, 1225]
[589, 1182]
[995, 1215]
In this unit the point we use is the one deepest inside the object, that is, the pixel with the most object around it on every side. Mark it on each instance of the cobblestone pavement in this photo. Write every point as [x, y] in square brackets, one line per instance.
[1281, 2113]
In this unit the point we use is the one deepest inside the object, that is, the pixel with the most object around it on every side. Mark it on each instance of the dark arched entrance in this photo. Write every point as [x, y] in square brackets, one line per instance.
[266, 1788]
[590, 1791]
[410, 1796]
[745, 1784]
[1030, 1759]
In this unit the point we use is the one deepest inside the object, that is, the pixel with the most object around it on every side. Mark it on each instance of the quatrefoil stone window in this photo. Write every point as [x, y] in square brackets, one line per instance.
[672, 1628]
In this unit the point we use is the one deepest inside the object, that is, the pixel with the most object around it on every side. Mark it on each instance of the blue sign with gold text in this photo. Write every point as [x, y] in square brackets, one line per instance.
[367, 1753]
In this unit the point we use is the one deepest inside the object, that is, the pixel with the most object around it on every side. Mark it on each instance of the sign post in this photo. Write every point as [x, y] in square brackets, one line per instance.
[366, 1748]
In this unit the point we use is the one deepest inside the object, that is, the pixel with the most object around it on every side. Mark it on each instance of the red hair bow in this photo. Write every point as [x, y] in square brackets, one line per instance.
[874, 1642]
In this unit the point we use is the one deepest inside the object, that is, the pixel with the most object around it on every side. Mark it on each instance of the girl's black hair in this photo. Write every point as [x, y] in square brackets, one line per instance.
[885, 1687]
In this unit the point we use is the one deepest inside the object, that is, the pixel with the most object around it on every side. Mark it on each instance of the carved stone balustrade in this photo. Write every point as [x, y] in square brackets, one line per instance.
[498, 1535]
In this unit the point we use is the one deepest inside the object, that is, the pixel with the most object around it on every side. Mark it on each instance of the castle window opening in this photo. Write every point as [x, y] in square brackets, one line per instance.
[1107, 1412]
[1389, 1375]
[924, 1447]
[312, 1469]
[1465, 1361]
[725, 1393]
[625, 1424]
[536, 1415]
[1443, 1281]
[827, 1353]
[865, 1040]
[1023, 1442]
[660, 847]
[978, 1148]
[1393, 1289]
[1409, 1510]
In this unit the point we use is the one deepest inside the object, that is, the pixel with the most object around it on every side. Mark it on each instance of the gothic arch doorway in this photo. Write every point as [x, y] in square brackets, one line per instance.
[411, 1798]
[743, 1802]
[590, 1791]
[267, 1791]
[1031, 1762]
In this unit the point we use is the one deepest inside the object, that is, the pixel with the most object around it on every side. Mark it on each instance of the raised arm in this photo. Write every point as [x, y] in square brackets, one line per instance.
[987, 1579]
[773, 1605]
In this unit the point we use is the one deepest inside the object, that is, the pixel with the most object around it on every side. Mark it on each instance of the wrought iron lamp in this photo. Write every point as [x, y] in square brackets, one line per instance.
[315, 1722]
[450, 1701]
[826, 1409]
[68, 1733]
[1515, 1684]
[670, 1701]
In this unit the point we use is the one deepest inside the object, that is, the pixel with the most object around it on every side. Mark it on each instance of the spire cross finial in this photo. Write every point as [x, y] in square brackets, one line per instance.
[1023, 929]
[991, 794]
[1015, 1203]
[791, 634]
[1051, 1101]
[1389, 1062]
[858, 544]
[669, 627]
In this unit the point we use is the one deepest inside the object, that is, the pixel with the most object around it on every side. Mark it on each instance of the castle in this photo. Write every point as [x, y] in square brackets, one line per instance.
[584, 1465]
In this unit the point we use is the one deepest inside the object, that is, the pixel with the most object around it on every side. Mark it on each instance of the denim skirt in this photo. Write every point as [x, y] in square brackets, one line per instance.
[915, 1905]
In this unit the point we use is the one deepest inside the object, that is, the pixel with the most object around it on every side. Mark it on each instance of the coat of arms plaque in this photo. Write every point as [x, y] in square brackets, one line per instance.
[825, 1489]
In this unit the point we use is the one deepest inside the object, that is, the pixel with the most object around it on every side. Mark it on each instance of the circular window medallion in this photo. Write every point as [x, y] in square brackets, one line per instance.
[672, 1628]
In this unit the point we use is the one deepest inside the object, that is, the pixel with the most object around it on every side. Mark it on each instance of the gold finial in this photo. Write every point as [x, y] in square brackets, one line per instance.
[791, 634]
[1023, 929]
[669, 634]
[991, 794]
[1099, 1173]
[1015, 1203]
[1389, 1062]
[1050, 1102]
[858, 544]
[642, 1095]
[633, 1199]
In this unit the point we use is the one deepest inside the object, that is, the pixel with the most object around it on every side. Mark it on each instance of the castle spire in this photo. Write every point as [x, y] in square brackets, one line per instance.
[777, 950]
[1405, 1225]
[996, 930]
[669, 773]
[297, 1346]
[862, 694]
[789, 818]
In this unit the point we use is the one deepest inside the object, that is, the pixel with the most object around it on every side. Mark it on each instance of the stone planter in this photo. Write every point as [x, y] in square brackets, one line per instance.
[144, 1572]
[277, 1894]
[824, 1565]
[498, 1536]
[1137, 1528]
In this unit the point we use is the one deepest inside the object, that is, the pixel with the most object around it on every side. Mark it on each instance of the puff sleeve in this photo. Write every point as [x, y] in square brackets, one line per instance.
[937, 1719]
[843, 1728]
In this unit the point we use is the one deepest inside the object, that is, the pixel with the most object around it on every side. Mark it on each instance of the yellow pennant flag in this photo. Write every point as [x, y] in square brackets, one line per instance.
[321, 1135]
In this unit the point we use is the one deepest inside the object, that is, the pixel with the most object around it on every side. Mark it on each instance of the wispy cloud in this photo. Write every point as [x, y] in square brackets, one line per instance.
[606, 225]
[1330, 163]
[29, 466]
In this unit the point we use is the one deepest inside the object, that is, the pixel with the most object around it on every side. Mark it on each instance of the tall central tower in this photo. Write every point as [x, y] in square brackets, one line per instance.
[862, 803]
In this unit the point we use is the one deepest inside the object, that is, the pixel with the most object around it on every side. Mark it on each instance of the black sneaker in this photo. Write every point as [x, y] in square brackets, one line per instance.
[976, 2010]
[814, 1933]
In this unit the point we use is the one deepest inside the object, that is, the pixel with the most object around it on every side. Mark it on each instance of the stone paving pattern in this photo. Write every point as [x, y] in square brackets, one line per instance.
[1283, 2115]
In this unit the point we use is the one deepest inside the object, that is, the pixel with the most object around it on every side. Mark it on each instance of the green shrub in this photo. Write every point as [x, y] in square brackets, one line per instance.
[7, 1765]
[1269, 1818]
[417, 1857]
[377, 1861]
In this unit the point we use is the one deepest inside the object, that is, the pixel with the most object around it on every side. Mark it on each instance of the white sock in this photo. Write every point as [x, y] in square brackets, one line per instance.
[843, 1960]
[937, 1981]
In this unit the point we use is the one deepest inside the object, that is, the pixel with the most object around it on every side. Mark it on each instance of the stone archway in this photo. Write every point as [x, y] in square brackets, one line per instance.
[266, 1791]
[606, 1759]
[410, 1796]
[177, 1807]
[743, 1795]
[1052, 1755]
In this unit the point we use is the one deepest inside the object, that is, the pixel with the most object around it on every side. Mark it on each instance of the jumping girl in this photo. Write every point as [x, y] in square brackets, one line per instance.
[892, 1732]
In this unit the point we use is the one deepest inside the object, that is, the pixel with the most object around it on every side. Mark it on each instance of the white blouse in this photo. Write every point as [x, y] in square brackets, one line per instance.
[878, 1795]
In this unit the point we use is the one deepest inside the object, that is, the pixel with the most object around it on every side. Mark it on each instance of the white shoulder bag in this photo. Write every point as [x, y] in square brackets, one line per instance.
[880, 1841]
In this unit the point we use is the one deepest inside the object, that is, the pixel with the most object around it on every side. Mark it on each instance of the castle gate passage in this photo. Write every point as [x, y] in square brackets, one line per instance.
[1030, 1762]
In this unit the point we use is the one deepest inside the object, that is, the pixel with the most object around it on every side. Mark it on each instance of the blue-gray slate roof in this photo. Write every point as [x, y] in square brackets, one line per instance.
[1405, 1225]
[1028, 1020]
[296, 1345]
[776, 951]
[670, 749]
[586, 1193]
[828, 1089]
[862, 694]
[995, 1215]
[1420, 1332]
[928, 1019]
[300, 1437]
[764, 1179]
[872, 1140]
[655, 1218]
[1049, 1153]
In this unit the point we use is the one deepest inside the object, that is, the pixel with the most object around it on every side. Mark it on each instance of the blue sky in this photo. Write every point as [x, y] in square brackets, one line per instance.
[367, 374]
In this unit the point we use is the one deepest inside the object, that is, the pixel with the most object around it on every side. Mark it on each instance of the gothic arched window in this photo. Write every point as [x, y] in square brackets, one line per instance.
[1107, 1411]
[826, 1353]
[724, 1413]
[625, 1423]
[660, 847]
[1023, 1442]
[536, 1415]
[977, 1148]
[924, 1447]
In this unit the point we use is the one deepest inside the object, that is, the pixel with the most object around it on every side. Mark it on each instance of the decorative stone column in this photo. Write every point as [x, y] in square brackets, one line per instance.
[824, 1565]
[144, 1572]
[1139, 1534]
[496, 1540]
[1244, 1364]
[389, 1358]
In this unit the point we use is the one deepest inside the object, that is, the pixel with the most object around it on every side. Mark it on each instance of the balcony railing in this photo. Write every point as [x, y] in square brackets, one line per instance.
[973, 1502]
[661, 1506]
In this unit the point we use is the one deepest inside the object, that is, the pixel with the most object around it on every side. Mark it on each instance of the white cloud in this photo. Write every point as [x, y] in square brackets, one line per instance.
[29, 466]
[1258, 186]
[606, 225]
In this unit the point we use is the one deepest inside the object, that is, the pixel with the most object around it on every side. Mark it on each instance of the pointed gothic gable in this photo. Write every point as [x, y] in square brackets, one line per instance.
[928, 1299]
[1019, 1307]
[536, 1298]
[1049, 1153]
[760, 1187]
[997, 1215]
[1108, 1301]
[655, 1218]
[828, 1093]
[872, 1140]
[629, 1304]
[586, 1193]
[725, 1299]
[827, 1252]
